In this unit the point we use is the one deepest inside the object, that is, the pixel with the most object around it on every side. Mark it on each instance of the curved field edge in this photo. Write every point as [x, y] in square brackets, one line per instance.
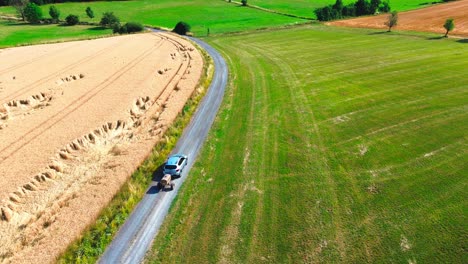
[218, 16]
[98, 236]
[13, 34]
[332, 145]
[305, 8]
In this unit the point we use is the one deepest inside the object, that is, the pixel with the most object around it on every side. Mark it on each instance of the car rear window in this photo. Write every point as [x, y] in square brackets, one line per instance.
[170, 167]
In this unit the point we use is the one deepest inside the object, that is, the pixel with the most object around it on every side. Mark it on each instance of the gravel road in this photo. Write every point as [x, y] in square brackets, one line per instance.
[135, 237]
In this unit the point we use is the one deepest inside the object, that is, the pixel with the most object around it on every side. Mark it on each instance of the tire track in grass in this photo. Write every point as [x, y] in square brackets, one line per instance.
[229, 250]
[256, 172]
[299, 95]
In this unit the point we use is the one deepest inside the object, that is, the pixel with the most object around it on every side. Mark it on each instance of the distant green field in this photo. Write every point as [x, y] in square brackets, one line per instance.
[333, 145]
[217, 15]
[13, 34]
[306, 7]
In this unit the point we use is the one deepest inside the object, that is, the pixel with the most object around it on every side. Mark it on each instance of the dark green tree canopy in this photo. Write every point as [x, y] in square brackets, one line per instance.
[109, 19]
[33, 13]
[72, 20]
[181, 28]
[89, 12]
[54, 12]
[449, 25]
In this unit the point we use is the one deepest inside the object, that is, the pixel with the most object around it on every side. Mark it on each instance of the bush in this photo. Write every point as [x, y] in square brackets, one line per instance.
[54, 13]
[109, 20]
[89, 12]
[181, 28]
[72, 20]
[129, 27]
[132, 27]
[244, 2]
[33, 13]
[116, 28]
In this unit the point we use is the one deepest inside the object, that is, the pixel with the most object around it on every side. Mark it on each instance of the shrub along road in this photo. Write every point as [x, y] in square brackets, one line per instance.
[135, 237]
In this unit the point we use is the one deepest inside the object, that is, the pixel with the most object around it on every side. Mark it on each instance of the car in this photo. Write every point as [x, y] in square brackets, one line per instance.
[175, 164]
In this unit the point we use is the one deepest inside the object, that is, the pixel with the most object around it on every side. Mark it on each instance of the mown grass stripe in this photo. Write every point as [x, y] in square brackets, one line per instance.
[365, 146]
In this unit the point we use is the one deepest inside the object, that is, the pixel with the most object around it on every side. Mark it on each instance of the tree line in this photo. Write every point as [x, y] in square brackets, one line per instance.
[45, 2]
[359, 8]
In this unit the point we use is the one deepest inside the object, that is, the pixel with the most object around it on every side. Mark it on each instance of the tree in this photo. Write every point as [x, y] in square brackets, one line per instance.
[374, 5]
[181, 28]
[33, 13]
[338, 5]
[449, 26]
[54, 13]
[109, 20]
[19, 6]
[89, 12]
[362, 7]
[72, 20]
[244, 2]
[392, 20]
[384, 7]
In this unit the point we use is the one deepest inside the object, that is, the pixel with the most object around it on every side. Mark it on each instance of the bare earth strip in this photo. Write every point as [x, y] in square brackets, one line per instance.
[76, 119]
[429, 19]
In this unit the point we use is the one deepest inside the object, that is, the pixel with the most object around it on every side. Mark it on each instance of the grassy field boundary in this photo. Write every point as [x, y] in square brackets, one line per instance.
[95, 239]
[272, 11]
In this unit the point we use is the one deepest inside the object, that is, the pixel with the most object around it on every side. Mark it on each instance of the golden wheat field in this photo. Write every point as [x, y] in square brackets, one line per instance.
[76, 119]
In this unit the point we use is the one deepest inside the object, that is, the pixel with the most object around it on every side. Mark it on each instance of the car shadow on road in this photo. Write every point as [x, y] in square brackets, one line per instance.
[156, 177]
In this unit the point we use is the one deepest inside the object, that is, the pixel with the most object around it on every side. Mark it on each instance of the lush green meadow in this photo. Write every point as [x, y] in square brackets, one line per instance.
[217, 15]
[13, 33]
[306, 7]
[332, 145]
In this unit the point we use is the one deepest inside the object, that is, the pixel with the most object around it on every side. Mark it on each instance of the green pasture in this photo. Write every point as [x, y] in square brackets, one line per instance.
[219, 16]
[14, 33]
[306, 8]
[333, 145]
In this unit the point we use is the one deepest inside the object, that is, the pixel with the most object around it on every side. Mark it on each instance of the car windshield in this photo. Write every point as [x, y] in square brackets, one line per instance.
[170, 167]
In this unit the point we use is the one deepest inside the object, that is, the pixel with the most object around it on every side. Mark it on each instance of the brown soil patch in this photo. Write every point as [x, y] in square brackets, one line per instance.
[429, 19]
[76, 119]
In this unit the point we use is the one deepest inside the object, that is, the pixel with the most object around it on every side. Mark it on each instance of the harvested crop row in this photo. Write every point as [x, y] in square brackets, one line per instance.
[107, 104]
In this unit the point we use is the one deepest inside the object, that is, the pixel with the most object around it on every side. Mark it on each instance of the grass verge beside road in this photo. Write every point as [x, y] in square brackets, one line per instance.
[94, 241]
[332, 145]
[19, 34]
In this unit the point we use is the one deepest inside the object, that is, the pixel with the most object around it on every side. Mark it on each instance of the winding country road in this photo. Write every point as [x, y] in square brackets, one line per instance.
[135, 237]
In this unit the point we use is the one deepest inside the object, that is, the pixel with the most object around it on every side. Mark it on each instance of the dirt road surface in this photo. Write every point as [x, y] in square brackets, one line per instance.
[76, 119]
[430, 19]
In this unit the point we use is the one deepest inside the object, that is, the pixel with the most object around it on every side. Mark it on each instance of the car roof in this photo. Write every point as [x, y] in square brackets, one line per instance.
[174, 159]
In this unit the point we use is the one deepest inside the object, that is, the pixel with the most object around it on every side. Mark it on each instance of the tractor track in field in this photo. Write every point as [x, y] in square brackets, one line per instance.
[24, 63]
[41, 81]
[76, 104]
[159, 82]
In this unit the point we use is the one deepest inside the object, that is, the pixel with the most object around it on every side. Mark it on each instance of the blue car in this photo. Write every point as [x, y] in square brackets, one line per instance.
[175, 164]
